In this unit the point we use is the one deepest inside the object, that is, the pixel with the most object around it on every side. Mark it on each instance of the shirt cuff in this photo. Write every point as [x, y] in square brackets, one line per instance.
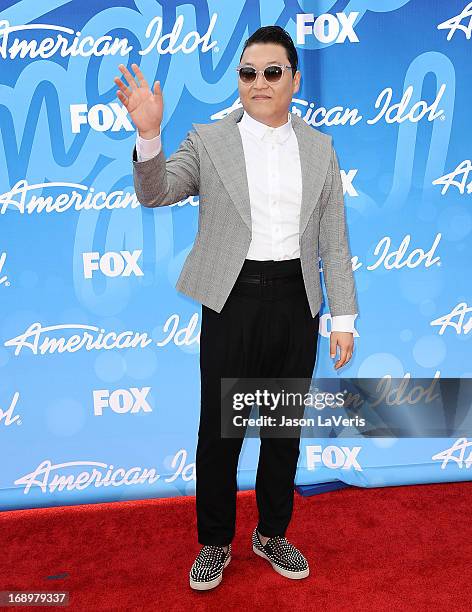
[343, 323]
[147, 147]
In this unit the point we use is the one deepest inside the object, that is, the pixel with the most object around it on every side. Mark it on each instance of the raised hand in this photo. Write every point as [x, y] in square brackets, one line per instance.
[144, 106]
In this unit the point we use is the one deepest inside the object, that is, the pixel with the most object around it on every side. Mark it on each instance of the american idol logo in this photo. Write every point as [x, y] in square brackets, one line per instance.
[453, 24]
[28, 199]
[459, 318]
[409, 108]
[39, 339]
[50, 477]
[460, 453]
[458, 178]
[66, 42]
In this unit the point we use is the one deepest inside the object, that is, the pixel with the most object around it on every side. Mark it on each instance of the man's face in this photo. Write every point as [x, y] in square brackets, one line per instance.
[267, 102]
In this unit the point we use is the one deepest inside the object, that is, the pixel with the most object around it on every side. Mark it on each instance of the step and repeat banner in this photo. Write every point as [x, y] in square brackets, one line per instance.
[99, 354]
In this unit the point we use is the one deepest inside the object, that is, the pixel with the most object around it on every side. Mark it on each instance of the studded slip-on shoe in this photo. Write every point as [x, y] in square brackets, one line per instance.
[283, 556]
[207, 569]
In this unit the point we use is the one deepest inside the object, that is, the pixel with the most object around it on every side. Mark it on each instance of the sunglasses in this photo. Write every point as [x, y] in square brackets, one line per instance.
[272, 74]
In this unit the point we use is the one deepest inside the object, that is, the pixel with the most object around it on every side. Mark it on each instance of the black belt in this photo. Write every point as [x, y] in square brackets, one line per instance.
[261, 278]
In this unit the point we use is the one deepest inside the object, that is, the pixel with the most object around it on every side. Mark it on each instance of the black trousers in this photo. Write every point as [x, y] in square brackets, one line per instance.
[263, 330]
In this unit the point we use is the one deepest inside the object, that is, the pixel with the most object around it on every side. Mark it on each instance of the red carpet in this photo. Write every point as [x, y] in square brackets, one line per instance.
[395, 548]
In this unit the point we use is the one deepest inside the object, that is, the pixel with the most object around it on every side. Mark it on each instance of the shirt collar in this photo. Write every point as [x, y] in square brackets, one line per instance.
[261, 130]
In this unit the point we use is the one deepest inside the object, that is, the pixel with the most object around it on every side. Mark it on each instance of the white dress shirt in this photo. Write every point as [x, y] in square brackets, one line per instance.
[275, 191]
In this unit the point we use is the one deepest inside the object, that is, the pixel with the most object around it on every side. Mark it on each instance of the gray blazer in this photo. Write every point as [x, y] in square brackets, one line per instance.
[210, 163]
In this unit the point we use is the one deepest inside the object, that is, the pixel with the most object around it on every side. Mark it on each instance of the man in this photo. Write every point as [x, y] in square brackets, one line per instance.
[271, 201]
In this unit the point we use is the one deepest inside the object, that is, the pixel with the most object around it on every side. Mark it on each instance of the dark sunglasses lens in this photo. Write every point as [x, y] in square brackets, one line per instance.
[273, 73]
[247, 75]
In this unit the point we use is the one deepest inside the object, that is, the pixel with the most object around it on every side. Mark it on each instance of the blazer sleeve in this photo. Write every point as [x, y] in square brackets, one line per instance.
[160, 182]
[334, 246]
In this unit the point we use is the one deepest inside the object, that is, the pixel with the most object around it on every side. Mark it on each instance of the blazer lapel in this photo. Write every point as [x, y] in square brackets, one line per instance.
[223, 143]
[315, 155]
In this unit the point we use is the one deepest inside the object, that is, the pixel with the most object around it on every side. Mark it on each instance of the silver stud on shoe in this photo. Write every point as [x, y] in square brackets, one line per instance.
[207, 569]
[287, 560]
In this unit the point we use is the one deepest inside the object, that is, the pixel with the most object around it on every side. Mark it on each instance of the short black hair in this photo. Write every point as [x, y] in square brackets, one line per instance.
[275, 34]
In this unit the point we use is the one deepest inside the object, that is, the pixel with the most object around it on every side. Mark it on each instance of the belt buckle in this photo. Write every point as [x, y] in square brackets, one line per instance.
[263, 284]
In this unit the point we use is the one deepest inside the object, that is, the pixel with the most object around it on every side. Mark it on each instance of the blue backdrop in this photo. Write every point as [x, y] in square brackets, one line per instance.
[99, 375]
